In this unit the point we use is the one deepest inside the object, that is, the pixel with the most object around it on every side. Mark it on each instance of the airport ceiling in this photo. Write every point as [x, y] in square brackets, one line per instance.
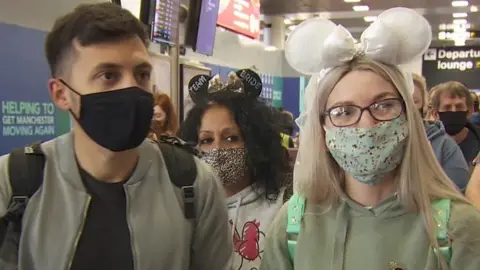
[275, 7]
[438, 12]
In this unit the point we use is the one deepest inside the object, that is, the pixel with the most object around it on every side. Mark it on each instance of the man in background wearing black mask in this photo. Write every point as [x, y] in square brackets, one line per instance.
[107, 201]
[452, 104]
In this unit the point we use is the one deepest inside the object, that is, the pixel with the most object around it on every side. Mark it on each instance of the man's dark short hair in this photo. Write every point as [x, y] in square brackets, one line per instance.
[90, 24]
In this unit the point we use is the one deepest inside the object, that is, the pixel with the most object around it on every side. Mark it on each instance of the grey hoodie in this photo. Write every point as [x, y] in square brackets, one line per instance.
[448, 153]
[250, 215]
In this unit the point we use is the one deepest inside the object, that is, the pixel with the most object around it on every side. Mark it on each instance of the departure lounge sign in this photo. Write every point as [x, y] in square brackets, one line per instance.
[456, 58]
[452, 64]
[165, 24]
[240, 16]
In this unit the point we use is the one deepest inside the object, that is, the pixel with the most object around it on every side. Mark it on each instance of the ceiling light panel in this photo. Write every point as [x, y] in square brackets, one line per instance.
[460, 15]
[370, 18]
[360, 8]
[460, 21]
[460, 3]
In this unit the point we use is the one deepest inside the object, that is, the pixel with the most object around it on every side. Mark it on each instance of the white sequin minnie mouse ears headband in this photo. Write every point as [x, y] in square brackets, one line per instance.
[396, 37]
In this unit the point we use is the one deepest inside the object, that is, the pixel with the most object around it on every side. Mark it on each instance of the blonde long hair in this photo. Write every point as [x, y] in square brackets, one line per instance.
[420, 178]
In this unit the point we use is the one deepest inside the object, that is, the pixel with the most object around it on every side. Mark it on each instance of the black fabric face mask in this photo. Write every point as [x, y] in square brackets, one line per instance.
[453, 122]
[118, 120]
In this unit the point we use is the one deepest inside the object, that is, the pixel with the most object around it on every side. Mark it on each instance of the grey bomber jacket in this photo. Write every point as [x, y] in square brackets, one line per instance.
[161, 236]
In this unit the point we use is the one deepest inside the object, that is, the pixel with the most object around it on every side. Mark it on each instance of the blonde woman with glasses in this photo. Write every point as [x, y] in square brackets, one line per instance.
[370, 193]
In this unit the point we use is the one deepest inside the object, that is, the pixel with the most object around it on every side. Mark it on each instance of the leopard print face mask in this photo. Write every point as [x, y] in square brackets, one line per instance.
[228, 163]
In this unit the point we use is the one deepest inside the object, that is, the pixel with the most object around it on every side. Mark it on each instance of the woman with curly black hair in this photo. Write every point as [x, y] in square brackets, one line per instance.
[238, 138]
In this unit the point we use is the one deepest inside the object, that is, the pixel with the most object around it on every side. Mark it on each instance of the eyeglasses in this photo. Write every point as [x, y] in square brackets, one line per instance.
[349, 115]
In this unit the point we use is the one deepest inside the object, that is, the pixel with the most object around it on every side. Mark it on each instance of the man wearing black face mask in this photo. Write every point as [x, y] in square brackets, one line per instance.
[447, 151]
[107, 201]
[452, 104]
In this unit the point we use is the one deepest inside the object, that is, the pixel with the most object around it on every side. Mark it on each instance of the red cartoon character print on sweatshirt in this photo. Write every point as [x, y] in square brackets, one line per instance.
[247, 244]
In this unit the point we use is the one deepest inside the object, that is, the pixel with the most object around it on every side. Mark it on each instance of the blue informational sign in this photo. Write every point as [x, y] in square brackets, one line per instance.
[220, 71]
[224, 71]
[27, 113]
[303, 84]
[267, 90]
[214, 69]
[291, 95]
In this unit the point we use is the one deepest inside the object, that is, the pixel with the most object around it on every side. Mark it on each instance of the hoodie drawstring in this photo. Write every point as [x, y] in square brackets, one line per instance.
[235, 217]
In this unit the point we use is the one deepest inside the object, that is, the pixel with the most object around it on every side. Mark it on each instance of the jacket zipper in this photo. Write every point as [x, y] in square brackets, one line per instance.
[132, 242]
[79, 233]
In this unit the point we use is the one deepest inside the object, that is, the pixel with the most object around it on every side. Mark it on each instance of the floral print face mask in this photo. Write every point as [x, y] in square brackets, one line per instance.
[368, 154]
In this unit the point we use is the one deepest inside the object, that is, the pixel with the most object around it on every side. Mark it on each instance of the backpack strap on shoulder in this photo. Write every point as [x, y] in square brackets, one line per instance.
[182, 170]
[442, 211]
[25, 168]
[296, 209]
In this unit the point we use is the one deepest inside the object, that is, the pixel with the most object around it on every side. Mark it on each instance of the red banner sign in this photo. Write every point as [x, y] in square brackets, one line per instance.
[240, 16]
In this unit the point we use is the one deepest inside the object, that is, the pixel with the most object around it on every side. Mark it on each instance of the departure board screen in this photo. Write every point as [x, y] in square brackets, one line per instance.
[165, 23]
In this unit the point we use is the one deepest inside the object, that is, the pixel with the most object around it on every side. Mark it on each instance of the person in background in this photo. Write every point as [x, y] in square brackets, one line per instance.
[452, 104]
[446, 150]
[238, 137]
[475, 119]
[165, 120]
[369, 193]
[107, 201]
[285, 123]
[420, 94]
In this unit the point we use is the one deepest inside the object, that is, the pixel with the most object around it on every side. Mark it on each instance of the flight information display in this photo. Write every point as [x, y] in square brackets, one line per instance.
[165, 23]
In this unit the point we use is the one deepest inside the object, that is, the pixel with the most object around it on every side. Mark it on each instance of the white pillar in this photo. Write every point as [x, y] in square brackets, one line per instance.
[267, 35]
[277, 32]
